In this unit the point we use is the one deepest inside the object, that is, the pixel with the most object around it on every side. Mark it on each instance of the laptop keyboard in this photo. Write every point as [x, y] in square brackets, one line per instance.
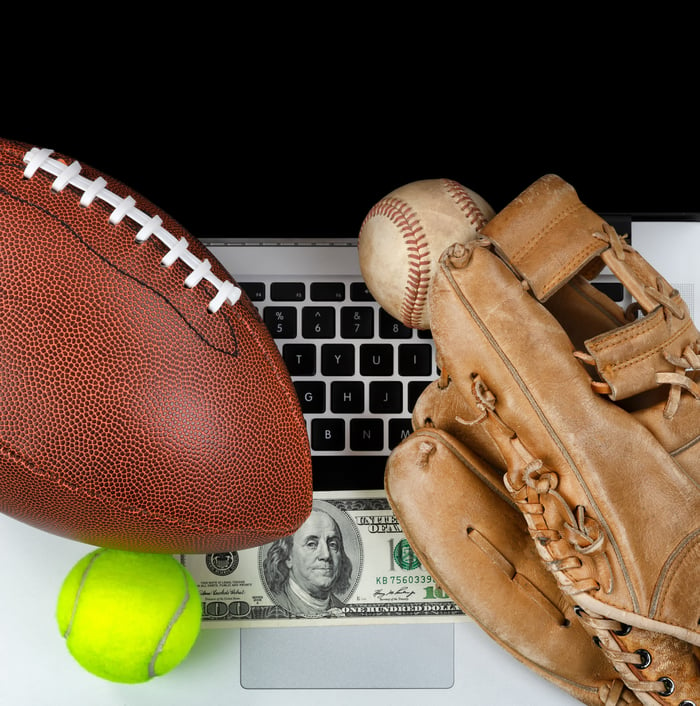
[357, 370]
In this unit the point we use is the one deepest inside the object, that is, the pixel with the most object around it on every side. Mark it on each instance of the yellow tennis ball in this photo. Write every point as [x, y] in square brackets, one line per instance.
[128, 616]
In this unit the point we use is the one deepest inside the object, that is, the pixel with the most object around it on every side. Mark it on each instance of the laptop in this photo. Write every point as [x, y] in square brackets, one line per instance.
[311, 295]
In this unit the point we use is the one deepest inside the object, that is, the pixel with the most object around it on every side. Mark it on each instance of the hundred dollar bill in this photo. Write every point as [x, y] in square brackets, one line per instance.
[349, 563]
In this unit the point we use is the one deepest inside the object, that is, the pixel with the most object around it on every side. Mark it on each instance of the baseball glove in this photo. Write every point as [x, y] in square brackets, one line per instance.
[590, 415]
[471, 537]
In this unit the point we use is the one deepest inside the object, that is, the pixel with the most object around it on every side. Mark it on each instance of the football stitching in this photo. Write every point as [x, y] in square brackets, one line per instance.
[178, 249]
[279, 377]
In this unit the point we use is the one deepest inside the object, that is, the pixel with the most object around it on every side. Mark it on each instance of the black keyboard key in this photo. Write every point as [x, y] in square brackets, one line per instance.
[389, 327]
[327, 291]
[357, 322]
[366, 435]
[399, 429]
[312, 396]
[318, 322]
[337, 359]
[287, 291]
[376, 359]
[415, 360]
[300, 358]
[254, 290]
[347, 397]
[327, 434]
[360, 293]
[385, 397]
[281, 321]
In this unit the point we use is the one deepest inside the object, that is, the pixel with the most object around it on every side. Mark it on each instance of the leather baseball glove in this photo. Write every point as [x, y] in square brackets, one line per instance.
[471, 537]
[588, 417]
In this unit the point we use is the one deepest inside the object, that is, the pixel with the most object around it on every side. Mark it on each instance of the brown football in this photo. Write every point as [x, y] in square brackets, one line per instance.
[143, 403]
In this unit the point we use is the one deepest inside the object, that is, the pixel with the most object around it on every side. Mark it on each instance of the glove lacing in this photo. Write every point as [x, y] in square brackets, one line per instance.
[615, 694]
[607, 636]
[527, 481]
[685, 365]
[680, 379]
[648, 298]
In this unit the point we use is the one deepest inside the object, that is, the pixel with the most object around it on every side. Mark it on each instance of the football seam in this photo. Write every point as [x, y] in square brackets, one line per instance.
[233, 352]
[76, 488]
[281, 380]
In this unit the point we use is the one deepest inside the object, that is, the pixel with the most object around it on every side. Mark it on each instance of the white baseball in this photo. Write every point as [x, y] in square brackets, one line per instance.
[402, 237]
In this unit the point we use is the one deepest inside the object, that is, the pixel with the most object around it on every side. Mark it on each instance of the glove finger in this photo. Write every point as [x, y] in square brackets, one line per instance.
[474, 542]
[441, 405]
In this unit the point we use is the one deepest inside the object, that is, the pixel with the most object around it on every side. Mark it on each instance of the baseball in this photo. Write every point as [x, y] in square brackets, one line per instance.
[402, 237]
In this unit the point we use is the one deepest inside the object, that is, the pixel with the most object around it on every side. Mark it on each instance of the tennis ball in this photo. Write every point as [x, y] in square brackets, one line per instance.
[128, 616]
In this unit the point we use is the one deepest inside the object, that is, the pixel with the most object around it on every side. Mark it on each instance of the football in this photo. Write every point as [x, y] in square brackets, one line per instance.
[143, 404]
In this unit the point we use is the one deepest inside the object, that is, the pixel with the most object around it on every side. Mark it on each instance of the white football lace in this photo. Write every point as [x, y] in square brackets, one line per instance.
[66, 175]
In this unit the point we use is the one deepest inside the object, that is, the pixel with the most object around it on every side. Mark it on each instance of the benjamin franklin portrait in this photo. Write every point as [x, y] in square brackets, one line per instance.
[308, 571]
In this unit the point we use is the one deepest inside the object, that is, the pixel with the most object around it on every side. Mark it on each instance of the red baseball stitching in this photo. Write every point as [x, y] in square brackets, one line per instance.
[406, 222]
[465, 202]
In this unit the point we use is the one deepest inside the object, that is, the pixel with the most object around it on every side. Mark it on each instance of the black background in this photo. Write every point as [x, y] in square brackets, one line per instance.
[295, 121]
[262, 134]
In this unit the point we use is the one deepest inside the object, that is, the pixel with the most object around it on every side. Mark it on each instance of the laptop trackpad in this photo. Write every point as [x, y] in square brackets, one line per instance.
[348, 657]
